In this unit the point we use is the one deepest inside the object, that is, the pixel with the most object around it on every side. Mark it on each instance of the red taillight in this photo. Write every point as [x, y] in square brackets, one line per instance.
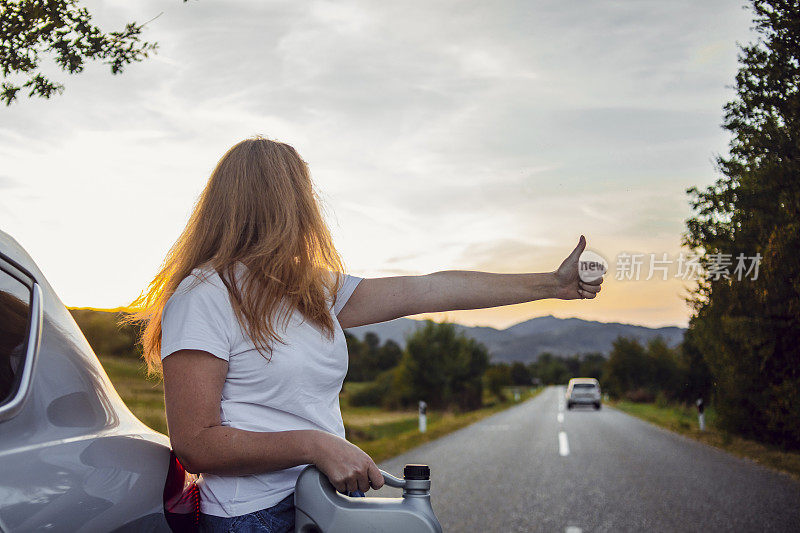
[181, 497]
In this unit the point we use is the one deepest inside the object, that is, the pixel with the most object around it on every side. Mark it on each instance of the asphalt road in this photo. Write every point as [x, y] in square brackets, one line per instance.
[609, 472]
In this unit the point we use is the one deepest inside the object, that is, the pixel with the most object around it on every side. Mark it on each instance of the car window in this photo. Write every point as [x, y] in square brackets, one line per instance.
[15, 318]
[584, 386]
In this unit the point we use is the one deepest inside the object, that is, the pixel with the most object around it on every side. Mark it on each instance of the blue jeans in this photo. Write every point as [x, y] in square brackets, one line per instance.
[276, 519]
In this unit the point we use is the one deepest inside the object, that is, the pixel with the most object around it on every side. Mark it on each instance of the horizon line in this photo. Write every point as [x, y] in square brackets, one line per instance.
[123, 309]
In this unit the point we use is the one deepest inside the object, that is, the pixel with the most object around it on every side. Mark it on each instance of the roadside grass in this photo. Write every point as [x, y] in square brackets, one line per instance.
[683, 419]
[379, 432]
[144, 397]
[383, 438]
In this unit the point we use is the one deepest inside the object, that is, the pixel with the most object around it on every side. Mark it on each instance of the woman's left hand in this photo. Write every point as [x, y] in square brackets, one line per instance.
[569, 285]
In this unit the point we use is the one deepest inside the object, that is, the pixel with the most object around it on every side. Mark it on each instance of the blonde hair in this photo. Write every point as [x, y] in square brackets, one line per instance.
[258, 208]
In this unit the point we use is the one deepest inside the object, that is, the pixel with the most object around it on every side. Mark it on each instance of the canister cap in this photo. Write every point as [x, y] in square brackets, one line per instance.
[417, 472]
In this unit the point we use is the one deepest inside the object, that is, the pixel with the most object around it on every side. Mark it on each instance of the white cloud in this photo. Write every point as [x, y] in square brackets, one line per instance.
[437, 132]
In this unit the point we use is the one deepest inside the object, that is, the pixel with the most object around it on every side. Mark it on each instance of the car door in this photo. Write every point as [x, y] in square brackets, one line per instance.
[72, 456]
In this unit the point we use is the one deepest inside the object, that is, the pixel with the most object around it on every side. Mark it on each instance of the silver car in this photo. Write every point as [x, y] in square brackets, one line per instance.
[583, 391]
[72, 455]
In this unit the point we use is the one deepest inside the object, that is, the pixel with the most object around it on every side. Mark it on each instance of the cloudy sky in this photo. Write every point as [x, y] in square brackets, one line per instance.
[440, 135]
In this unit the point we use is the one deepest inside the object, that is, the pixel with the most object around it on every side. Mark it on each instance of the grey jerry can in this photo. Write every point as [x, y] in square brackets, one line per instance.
[319, 508]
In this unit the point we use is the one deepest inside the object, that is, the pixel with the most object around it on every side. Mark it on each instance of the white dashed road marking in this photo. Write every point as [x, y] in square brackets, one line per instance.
[563, 444]
[560, 417]
[573, 529]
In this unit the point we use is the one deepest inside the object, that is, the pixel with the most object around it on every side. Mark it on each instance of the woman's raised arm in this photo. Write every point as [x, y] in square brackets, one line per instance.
[381, 299]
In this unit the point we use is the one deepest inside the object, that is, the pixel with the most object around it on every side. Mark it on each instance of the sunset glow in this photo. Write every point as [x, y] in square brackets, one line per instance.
[469, 137]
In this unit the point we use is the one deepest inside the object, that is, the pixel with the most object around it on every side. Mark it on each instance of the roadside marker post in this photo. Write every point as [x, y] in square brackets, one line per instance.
[701, 417]
[423, 417]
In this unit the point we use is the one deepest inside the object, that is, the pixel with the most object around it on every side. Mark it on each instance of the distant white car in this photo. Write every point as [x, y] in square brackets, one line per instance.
[583, 391]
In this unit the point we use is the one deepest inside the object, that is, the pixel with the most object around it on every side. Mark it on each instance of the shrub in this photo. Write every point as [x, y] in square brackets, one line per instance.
[375, 394]
[441, 367]
[497, 377]
[639, 396]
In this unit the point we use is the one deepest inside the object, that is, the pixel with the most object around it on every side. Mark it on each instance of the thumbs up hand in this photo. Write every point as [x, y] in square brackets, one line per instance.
[569, 284]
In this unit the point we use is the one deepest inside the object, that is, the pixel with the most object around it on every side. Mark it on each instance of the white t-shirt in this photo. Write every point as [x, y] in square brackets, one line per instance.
[298, 389]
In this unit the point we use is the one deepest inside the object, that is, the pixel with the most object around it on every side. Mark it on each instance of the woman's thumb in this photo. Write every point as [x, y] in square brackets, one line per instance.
[576, 253]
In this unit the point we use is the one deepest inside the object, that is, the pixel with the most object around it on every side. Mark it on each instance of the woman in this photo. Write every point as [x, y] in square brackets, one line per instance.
[245, 320]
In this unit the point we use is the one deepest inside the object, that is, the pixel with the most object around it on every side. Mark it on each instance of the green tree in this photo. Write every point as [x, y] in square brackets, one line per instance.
[519, 374]
[378, 392]
[664, 369]
[388, 356]
[696, 376]
[372, 341]
[748, 330]
[550, 370]
[573, 365]
[591, 366]
[643, 373]
[498, 376]
[626, 369]
[368, 359]
[357, 357]
[61, 30]
[442, 367]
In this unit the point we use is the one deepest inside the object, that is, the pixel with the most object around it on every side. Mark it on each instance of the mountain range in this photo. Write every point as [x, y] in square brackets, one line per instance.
[526, 340]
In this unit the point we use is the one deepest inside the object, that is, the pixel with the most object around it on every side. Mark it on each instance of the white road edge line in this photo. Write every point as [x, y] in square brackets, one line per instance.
[563, 444]
[560, 417]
